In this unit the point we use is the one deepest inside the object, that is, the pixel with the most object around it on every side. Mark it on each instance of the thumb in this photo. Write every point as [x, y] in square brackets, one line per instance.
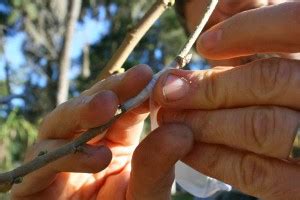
[153, 162]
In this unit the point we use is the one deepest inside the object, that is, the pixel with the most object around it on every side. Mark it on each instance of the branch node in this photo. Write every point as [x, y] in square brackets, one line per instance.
[183, 61]
[169, 3]
[17, 180]
[118, 71]
[78, 149]
[41, 153]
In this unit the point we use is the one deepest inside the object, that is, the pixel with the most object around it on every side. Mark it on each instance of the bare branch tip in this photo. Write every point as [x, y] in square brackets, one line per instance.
[183, 61]
[18, 180]
[41, 153]
[168, 3]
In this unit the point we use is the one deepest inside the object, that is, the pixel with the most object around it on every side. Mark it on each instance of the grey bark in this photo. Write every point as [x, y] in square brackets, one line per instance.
[65, 58]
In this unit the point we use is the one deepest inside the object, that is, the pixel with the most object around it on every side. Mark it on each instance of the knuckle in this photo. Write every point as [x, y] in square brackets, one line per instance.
[260, 125]
[168, 116]
[211, 89]
[263, 130]
[253, 174]
[214, 159]
[178, 138]
[80, 108]
[197, 121]
[269, 78]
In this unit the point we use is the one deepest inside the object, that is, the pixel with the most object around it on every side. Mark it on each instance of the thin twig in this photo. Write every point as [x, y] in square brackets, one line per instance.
[199, 29]
[133, 37]
[14, 176]
[45, 157]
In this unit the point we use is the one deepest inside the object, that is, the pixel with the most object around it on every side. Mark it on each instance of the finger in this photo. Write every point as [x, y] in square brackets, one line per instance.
[231, 7]
[96, 106]
[127, 130]
[78, 115]
[89, 159]
[261, 30]
[121, 132]
[228, 8]
[153, 162]
[262, 177]
[194, 10]
[263, 130]
[125, 85]
[265, 82]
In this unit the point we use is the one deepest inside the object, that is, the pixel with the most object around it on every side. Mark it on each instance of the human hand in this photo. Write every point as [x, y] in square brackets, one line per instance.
[224, 10]
[244, 118]
[102, 168]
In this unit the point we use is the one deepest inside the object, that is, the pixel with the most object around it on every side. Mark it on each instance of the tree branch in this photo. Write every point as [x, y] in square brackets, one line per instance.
[45, 157]
[37, 37]
[85, 69]
[65, 60]
[134, 36]
[9, 178]
[184, 52]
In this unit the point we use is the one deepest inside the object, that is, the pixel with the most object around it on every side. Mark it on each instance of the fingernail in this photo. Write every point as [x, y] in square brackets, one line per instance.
[210, 39]
[175, 88]
[297, 137]
[295, 149]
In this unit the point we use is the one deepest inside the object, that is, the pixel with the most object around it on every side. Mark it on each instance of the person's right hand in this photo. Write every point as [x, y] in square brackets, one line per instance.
[245, 118]
[224, 10]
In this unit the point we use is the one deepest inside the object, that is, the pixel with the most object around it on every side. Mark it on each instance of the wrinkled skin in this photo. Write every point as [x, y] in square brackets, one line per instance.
[224, 10]
[244, 117]
[102, 169]
[234, 123]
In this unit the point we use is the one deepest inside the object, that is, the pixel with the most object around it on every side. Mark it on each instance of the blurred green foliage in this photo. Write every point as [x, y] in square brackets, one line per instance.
[16, 135]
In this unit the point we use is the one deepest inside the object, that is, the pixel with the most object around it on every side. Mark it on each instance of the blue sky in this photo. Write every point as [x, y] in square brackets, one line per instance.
[88, 32]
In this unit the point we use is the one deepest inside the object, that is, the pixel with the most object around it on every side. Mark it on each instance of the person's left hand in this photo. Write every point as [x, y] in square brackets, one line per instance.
[244, 118]
[109, 167]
